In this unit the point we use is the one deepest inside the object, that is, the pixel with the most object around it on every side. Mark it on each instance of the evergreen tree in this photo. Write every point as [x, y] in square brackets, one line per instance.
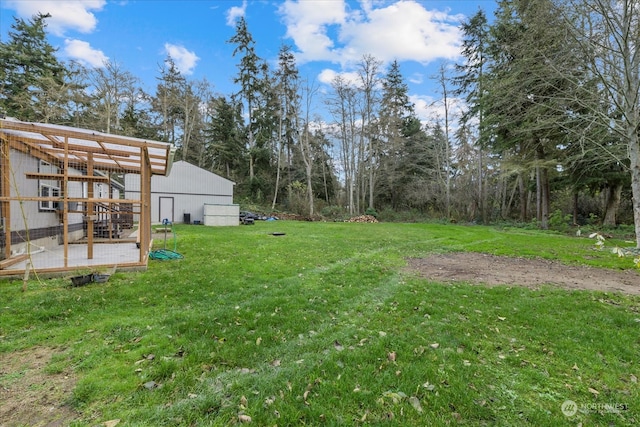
[288, 110]
[417, 162]
[524, 111]
[79, 111]
[224, 147]
[167, 102]
[470, 84]
[31, 77]
[249, 73]
[469, 81]
[265, 128]
[395, 111]
[137, 120]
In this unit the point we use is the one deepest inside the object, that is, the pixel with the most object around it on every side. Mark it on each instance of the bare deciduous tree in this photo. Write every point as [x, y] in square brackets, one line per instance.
[111, 84]
[342, 107]
[368, 72]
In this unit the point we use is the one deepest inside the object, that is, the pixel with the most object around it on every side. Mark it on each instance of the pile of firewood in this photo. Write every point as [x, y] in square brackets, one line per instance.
[363, 218]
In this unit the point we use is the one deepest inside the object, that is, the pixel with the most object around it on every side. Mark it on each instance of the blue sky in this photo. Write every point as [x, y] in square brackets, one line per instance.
[327, 36]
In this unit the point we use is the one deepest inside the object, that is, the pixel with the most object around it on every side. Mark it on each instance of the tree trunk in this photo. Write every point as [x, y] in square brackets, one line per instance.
[542, 190]
[611, 204]
[324, 182]
[278, 159]
[538, 195]
[307, 158]
[546, 198]
[575, 207]
[506, 208]
[275, 191]
[481, 186]
[309, 190]
[634, 156]
[523, 198]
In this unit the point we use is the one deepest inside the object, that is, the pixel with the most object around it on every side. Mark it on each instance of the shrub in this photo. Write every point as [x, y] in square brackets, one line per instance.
[558, 221]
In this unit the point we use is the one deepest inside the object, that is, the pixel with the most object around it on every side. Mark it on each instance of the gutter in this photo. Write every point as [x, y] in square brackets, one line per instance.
[170, 157]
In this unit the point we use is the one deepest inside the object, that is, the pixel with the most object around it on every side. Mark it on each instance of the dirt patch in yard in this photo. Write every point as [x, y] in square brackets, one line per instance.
[495, 270]
[29, 396]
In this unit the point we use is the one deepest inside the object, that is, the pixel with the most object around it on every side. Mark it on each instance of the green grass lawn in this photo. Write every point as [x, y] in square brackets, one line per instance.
[322, 326]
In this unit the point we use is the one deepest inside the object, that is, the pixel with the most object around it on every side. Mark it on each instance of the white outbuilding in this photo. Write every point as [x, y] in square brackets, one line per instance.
[190, 195]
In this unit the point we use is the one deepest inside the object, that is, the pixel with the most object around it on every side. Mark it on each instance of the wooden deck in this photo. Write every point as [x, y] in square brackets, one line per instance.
[124, 254]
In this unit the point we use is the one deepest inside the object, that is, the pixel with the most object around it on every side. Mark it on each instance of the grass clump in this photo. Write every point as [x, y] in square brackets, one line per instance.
[322, 325]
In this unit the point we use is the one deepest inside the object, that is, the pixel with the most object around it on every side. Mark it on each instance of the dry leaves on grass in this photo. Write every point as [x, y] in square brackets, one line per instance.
[30, 395]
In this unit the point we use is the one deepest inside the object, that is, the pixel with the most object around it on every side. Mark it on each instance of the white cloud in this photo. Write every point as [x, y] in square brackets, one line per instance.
[82, 52]
[65, 14]
[310, 25]
[184, 59]
[425, 108]
[236, 12]
[402, 30]
[416, 78]
[327, 76]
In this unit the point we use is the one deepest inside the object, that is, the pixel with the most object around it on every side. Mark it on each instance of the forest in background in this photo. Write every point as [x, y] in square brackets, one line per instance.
[548, 133]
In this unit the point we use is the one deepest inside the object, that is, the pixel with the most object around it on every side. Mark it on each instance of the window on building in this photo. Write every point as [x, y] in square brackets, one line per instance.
[49, 187]
[49, 191]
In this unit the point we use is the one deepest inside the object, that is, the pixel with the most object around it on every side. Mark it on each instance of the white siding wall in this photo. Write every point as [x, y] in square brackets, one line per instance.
[185, 191]
[28, 214]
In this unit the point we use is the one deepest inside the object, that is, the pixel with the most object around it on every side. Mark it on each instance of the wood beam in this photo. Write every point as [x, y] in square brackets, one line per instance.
[90, 207]
[65, 205]
[66, 177]
[5, 191]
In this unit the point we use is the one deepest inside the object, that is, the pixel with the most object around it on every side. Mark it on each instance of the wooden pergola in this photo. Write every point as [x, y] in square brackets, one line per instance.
[98, 156]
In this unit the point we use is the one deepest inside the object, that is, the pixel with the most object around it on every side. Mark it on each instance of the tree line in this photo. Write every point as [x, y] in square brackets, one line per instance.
[548, 132]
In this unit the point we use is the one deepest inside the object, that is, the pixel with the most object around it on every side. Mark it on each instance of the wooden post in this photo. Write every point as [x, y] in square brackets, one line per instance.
[65, 206]
[90, 207]
[144, 226]
[5, 191]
